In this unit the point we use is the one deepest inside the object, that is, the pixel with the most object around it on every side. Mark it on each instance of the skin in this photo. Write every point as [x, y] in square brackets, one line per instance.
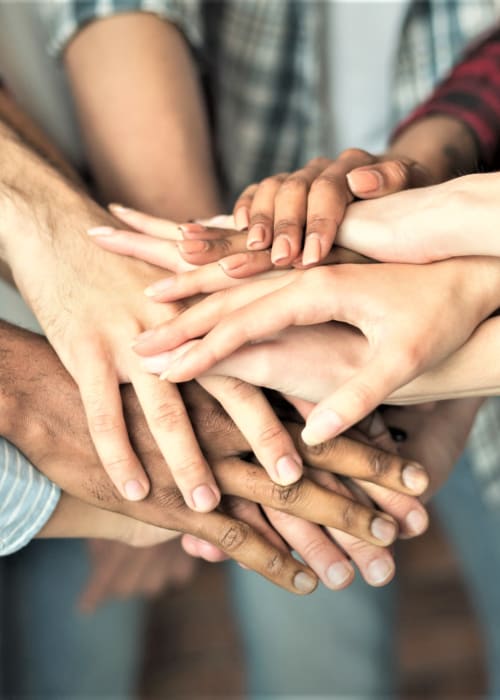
[46, 396]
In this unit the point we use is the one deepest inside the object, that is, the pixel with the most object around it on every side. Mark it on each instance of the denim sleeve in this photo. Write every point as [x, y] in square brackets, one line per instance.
[27, 499]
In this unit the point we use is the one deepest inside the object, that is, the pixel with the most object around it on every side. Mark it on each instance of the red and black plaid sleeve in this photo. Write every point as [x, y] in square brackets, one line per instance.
[471, 93]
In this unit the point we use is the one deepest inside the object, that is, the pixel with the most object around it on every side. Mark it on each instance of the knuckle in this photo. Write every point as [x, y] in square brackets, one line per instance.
[188, 471]
[327, 180]
[349, 515]
[168, 497]
[316, 222]
[167, 415]
[271, 434]
[283, 225]
[296, 181]
[380, 463]
[118, 464]
[356, 154]
[287, 495]
[234, 536]
[314, 548]
[275, 564]
[318, 162]
[397, 172]
[241, 390]
[260, 217]
[100, 423]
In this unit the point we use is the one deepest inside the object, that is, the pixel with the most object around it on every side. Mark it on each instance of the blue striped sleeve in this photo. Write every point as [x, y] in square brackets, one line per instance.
[27, 499]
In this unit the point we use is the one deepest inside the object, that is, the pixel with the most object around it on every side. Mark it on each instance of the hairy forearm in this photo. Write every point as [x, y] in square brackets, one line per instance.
[143, 116]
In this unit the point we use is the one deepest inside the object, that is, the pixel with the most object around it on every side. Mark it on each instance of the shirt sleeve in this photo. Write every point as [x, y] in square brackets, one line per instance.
[471, 93]
[27, 499]
[66, 18]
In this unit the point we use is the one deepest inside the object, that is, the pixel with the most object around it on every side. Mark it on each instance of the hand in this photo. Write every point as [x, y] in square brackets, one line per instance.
[300, 212]
[457, 218]
[394, 306]
[48, 401]
[122, 572]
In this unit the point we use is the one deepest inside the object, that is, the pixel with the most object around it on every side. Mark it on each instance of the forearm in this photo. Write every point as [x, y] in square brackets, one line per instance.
[143, 117]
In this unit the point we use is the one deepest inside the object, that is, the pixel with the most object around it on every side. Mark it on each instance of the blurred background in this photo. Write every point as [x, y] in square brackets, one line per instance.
[438, 646]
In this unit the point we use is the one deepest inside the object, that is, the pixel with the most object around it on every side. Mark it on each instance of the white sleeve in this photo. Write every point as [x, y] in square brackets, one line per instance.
[27, 499]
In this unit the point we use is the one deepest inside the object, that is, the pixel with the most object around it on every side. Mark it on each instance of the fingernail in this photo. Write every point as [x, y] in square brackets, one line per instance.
[383, 530]
[204, 498]
[281, 249]
[190, 247]
[414, 478]
[101, 231]
[155, 364]
[134, 490]
[312, 250]
[233, 262]
[304, 583]
[337, 574]
[145, 335]
[256, 236]
[377, 426]
[364, 181]
[289, 470]
[192, 227]
[416, 522]
[379, 570]
[241, 218]
[175, 366]
[119, 208]
[322, 426]
[159, 287]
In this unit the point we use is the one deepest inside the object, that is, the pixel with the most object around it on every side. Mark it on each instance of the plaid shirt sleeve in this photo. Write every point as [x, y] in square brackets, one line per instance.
[471, 93]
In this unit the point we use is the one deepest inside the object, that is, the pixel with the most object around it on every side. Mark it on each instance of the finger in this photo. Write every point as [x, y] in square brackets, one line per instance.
[324, 557]
[242, 207]
[381, 179]
[241, 542]
[311, 502]
[201, 252]
[99, 584]
[328, 197]
[290, 209]
[158, 252]
[376, 564]
[354, 399]
[205, 231]
[203, 550]
[408, 512]
[199, 319]
[359, 460]
[153, 226]
[101, 399]
[253, 415]
[171, 428]
[260, 227]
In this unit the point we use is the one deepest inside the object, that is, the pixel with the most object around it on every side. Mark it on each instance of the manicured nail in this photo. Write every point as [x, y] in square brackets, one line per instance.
[118, 208]
[190, 247]
[379, 571]
[160, 287]
[241, 218]
[101, 231]
[233, 262]
[145, 335]
[204, 498]
[156, 364]
[414, 478]
[289, 470]
[337, 574]
[383, 530]
[192, 227]
[134, 490]
[416, 522]
[322, 426]
[304, 583]
[281, 249]
[312, 250]
[364, 181]
[256, 236]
